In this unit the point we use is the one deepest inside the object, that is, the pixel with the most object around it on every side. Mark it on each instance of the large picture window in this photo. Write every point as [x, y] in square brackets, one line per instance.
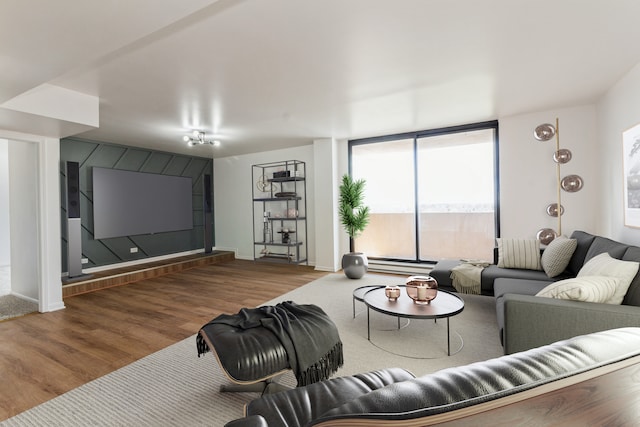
[433, 194]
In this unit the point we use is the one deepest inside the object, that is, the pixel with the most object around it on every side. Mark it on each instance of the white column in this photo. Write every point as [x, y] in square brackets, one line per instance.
[326, 200]
[49, 225]
[5, 246]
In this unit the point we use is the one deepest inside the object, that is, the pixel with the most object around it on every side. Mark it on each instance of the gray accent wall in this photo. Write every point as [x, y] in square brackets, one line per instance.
[118, 249]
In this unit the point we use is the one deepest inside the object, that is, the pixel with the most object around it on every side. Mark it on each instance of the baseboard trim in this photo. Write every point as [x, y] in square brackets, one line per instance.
[399, 268]
[122, 276]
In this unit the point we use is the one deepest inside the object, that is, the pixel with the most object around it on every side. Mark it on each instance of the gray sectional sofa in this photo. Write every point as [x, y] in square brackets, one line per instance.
[526, 321]
[442, 273]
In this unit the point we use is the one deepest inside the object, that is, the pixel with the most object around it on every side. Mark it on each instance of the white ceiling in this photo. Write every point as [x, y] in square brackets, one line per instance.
[267, 74]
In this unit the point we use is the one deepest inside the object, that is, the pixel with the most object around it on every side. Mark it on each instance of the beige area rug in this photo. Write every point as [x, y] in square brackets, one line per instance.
[11, 306]
[173, 387]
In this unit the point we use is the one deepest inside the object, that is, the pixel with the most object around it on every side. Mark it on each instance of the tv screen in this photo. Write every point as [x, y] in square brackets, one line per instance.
[127, 203]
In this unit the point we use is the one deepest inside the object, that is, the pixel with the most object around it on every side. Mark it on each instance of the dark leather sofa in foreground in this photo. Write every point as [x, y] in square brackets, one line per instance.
[395, 396]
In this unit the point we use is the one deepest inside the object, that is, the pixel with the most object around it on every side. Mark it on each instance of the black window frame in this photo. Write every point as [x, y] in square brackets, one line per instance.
[491, 124]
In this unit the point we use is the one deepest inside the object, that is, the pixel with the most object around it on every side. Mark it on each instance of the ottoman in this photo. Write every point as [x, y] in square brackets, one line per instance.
[256, 345]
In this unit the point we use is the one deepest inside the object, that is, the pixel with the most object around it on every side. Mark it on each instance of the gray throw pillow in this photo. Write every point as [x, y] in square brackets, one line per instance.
[557, 255]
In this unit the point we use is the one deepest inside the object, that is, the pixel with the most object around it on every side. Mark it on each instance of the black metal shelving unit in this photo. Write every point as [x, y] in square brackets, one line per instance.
[279, 212]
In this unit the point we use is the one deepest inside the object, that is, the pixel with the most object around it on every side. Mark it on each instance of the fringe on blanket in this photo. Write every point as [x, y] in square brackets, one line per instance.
[201, 345]
[324, 368]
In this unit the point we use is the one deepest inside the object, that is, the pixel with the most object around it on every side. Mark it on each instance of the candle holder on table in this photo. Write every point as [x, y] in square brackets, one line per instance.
[422, 289]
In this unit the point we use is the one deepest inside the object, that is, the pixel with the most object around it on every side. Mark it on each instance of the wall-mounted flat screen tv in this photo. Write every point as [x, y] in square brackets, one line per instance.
[127, 203]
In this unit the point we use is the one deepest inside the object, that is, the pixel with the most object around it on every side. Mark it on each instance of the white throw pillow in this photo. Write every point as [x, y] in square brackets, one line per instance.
[557, 255]
[519, 253]
[605, 265]
[587, 288]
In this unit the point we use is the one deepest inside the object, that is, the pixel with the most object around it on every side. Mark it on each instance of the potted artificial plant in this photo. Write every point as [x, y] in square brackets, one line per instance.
[354, 216]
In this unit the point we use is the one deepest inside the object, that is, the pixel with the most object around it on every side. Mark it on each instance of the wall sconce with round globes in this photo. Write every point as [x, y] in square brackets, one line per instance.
[544, 132]
[546, 235]
[570, 183]
[562, 156]
[552, 210]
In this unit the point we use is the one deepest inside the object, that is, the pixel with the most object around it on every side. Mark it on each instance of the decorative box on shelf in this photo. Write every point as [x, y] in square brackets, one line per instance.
[282, 174]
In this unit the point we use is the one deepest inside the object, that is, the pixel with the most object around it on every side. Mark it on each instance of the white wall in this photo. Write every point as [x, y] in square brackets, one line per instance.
[34, 191]
[326, 162]
[4, 203]
[233, 199]
[23, 167]
[528, 184]
[528, 173]
[618, 110]
[5, 247]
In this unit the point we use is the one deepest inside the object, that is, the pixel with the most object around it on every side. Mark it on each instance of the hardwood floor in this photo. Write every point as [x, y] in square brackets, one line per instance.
[46, 354]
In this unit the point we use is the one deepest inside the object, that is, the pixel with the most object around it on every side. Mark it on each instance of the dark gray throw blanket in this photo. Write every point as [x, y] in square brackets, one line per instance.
[310, 338]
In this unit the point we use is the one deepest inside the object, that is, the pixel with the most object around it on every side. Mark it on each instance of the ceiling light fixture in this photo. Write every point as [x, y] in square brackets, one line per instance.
[199, 138]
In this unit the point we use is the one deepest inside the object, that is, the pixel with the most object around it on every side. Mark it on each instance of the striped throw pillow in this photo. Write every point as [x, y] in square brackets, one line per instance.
[519, 253]
[586, 288]
[605, 265]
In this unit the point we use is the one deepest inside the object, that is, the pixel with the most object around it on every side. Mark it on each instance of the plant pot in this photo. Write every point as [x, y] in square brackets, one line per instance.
[355, 264]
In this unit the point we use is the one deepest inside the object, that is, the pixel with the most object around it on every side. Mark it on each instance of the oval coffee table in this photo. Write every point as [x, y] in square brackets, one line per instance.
[445, 305]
